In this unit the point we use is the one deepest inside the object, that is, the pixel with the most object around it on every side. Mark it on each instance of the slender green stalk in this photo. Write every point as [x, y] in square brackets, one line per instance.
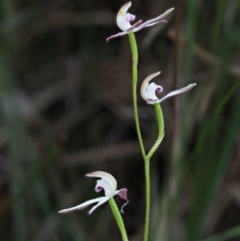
[159, 115]
[134, 50]
[133, 45]
[160, 122]
[118, 218]
[148, 198]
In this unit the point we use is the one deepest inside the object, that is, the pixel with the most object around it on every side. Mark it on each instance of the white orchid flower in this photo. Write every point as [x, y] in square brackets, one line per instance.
[124, 20]
[108, 184]
[148, 91]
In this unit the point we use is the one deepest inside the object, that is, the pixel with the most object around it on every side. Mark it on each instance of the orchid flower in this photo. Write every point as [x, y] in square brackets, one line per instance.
[148, 91]
[107, 183]
[124, 19]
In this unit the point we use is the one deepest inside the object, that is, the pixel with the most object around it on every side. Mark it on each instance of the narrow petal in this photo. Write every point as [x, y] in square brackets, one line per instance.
[105, 176]
[122, 193]
[134, 26]
[152, 24]
[146, 25]
[122, 17]
[160, 17]
[177, 92]
[103, 200]
[144, 86]
[82, 206]
[116, 35]
[154, 21]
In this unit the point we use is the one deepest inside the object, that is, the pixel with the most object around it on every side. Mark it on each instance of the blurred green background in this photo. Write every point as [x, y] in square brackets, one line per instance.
[66, 110]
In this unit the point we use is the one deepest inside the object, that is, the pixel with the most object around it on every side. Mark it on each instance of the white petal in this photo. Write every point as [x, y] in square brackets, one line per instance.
[134, 26]
[103, 184]
[103, 200]
[160, 17]
[105, 176]
[122, 18]
[116, 35]
[145, 85]
[147, 25]
[82, 206]
[153, 21]
[151, 89]
[177, 92]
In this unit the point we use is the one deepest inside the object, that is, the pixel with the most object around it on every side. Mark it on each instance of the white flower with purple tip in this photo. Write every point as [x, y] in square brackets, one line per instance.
[148, 91]
[107, 183]
[124, 19]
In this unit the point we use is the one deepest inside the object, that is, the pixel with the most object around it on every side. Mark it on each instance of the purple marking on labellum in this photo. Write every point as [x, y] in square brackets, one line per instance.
[159, 89]
[130, 17]
[98, 189]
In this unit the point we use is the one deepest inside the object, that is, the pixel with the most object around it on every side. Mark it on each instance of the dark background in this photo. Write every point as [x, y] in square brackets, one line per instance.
[66, 110]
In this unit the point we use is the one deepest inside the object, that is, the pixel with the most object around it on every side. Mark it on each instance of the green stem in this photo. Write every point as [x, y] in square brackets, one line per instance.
[133, 45]
[118, 218]
[160, 122]
[148, 195]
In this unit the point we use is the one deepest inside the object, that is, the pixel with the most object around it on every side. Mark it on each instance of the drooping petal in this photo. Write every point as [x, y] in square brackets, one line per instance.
[82, 206]
[116, 35]
[123, 19]
[148, 91]
[130, 29]
[177, 92]
[103, 200]
[110, 184]
[122, 193]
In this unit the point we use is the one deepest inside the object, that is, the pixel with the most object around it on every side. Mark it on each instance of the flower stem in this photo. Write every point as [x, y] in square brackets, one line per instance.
[118, 218]
[134, 51]
[160, 122]
[148, 186]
